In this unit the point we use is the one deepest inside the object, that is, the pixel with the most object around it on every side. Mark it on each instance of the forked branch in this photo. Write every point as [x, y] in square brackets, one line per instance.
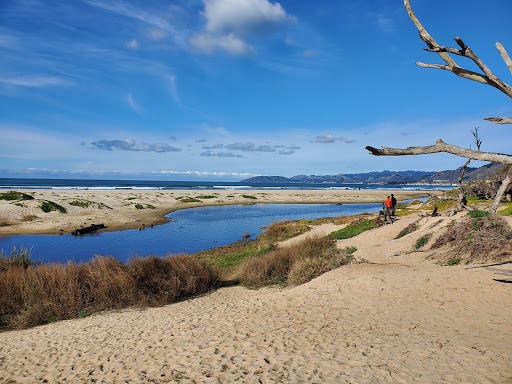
[488, 77]
[441, 146]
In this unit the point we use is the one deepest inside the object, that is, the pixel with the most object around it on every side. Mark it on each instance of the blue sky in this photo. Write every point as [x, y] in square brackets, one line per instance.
[228, 89]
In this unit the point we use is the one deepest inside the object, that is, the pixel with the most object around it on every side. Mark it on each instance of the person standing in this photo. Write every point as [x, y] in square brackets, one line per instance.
[393, 205]
[387, 209]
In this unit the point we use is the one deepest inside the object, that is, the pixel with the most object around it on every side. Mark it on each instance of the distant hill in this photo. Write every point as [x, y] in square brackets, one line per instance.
[452, 177]
[384, 177]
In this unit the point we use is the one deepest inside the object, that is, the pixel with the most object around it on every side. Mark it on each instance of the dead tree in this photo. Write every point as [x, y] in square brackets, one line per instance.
[487, 77]
[461, 201]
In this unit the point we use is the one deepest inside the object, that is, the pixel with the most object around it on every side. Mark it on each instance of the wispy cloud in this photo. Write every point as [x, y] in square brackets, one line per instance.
[36, 81]
[131, 145]
[207, 173]
[174, 89]
[124, 9]
[134, 105]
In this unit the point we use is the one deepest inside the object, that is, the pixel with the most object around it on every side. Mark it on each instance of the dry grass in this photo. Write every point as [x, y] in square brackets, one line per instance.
[45, 293]
[292, 265]
[482, 239]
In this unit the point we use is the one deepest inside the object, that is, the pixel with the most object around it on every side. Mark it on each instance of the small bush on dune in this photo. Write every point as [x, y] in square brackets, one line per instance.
[484, 238]
[14, 195]
[48, 206]
[282, 230]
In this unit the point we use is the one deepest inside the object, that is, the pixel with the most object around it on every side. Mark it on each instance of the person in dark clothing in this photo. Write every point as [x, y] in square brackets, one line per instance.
[393, 204]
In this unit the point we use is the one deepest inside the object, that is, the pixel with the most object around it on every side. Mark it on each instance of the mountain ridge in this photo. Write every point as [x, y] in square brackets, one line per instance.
[447, 177]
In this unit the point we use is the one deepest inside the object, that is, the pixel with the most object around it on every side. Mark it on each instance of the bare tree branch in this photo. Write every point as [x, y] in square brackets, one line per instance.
[507, 181]
[425, 36]
[441, 146]
[487, 78]
[499, 120]
[505, 56]
[461, 201]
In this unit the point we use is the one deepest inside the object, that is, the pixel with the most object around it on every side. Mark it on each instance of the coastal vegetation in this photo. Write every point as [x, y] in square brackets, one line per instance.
[49, 206]
[355, 228]
[14, 195]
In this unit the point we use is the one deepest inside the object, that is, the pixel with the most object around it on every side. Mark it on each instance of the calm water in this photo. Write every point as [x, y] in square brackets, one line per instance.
[190, 230]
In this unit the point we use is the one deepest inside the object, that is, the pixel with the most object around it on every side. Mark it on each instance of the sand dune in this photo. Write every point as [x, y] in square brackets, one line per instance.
[394, 318]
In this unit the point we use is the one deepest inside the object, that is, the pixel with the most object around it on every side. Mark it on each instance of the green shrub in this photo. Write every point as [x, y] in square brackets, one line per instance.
[354, 229]
[476, 213]
[207, 197]
[422, 241]
[249, 197]
[48, 206]
[14, 195]
[189, 200]
[139, 206]
[81, 203]
[455, 261]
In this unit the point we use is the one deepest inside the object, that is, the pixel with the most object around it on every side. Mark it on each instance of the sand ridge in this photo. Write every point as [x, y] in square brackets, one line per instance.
[393, 317]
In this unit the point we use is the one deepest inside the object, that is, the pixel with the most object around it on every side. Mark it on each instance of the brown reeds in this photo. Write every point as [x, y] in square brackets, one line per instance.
[40, 294]
[293, 265]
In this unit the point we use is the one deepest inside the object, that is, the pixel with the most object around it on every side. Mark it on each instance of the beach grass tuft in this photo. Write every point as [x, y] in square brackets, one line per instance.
[292, 265]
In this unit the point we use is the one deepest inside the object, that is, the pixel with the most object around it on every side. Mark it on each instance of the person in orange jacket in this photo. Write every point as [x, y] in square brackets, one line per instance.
[388, 203]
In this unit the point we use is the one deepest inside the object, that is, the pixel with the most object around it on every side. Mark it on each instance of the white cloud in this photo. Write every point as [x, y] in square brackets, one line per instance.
[132, 44]
[210, 44]
[230, 22]
[243, 17]
[327, 139]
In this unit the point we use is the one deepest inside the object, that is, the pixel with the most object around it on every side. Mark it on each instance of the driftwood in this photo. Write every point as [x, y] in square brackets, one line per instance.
[500, 271]
[90, 228]
[441, 146]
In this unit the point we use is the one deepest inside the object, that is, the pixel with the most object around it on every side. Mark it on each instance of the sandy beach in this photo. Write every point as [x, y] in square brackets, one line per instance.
[393, 316]
[128, 209]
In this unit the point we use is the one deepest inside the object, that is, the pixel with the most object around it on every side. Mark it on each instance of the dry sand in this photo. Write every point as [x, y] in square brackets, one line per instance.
[396, 318]
[117, 209]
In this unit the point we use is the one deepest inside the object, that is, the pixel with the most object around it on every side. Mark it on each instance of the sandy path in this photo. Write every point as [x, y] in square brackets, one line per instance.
[397, 319]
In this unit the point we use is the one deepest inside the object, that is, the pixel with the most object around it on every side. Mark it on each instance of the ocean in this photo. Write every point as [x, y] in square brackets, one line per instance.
[22, 183]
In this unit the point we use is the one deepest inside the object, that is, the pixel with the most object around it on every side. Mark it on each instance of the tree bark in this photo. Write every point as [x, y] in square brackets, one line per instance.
[441, 146]
[461, 201]
[505, 184]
